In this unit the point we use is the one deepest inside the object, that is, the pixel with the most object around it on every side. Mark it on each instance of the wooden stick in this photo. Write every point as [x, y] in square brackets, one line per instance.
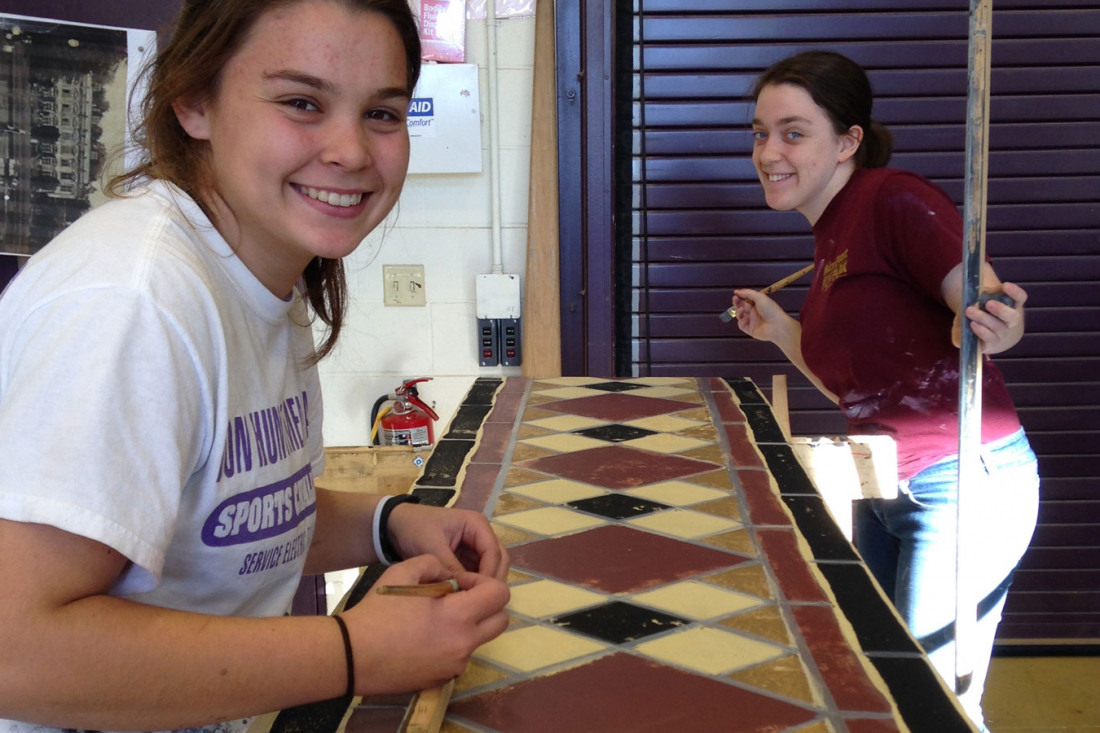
[427, 712]
[786, 281]
[730, 313]
[426, 590]
[542, 281]
[780, 405]
[970, 365]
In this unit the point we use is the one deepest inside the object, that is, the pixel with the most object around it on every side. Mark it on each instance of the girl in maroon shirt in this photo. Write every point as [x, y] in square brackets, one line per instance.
[879, 333]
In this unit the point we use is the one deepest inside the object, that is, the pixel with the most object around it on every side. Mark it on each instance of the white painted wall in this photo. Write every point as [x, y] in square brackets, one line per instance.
[443, 222]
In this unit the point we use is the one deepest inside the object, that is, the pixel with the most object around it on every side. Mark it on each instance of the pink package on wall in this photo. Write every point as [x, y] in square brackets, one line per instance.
[443, 30]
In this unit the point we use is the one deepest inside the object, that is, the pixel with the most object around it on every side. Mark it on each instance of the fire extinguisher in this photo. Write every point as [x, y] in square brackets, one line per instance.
[409, 420]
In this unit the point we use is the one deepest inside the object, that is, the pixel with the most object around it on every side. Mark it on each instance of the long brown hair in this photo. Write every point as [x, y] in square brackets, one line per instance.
[206, 34]
[841, 88]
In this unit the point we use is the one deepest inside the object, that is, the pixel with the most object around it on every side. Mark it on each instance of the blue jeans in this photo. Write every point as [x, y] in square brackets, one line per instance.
[909, 543]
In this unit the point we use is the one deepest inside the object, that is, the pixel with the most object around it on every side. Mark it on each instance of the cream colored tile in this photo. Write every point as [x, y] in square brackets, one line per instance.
[535, 647]
[566, 423]
[544, 598]
[661, 381]
[477, 675]
[565, 442]
[661, 391]
[677, 493]
[557, 491]
[570, 381]
[697, 600]
[664, 423]
[684, 523]
[568, 393]
[550, 521]
[710, 651]
[666, 443]
[784, 676]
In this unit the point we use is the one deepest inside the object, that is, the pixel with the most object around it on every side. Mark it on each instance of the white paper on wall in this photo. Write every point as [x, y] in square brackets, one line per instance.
[475, 9]
[445, 120]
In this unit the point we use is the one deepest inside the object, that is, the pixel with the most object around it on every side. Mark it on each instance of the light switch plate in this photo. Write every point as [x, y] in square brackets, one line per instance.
[403, 285]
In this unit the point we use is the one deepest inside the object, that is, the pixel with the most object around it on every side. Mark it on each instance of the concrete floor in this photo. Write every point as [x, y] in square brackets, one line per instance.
[1043, 695]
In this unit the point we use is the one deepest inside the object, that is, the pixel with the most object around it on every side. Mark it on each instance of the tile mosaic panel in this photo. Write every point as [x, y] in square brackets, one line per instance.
[673, 569]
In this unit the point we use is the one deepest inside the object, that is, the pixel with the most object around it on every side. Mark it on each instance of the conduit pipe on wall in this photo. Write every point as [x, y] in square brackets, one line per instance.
[494, 136]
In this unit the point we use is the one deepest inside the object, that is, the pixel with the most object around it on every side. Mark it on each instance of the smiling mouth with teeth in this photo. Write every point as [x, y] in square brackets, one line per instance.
[342, 200]
[775, 177]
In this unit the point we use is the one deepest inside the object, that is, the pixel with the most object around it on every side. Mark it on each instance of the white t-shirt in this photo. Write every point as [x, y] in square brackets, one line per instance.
[155, 397]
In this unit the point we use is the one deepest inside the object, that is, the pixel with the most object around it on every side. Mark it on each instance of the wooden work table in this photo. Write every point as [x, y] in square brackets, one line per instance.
[673, 569]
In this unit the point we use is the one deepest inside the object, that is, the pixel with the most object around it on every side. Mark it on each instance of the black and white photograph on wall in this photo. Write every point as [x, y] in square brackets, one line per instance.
[64, 92]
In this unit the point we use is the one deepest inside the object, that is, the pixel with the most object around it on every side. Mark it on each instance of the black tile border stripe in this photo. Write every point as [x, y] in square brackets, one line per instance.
[325, 716]
[876, 626]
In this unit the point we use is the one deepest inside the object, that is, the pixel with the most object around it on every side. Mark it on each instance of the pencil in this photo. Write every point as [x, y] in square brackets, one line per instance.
[427, 590]
[730, 313]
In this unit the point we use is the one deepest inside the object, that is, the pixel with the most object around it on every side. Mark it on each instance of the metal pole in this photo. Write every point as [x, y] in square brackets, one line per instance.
[970, 364]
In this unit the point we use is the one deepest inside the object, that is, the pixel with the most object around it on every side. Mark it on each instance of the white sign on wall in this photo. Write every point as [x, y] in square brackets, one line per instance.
[445, 120]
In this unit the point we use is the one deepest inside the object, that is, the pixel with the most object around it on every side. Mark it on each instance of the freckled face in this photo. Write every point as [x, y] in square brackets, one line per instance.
[800, 160]
[307, 135]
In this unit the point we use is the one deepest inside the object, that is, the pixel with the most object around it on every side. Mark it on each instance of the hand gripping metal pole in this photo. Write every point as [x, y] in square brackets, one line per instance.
[970, 365]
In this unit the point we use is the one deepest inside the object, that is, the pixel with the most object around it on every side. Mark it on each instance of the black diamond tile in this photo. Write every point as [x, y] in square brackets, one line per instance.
[615, 433]
[615, 386]
[619, 622]
[617, 506]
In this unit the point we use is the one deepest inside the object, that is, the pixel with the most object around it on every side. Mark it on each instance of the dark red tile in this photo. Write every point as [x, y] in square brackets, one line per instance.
[375, 720]
[618, 407]
[495, 438]
[871, 725]
[742, 449]
[764, 505]
[477, 487]
[629, 559]
[617, 466]
[644, 696]
[505, 408]
[838, 664]
[728, 411]
[514, 385]
[791, 570]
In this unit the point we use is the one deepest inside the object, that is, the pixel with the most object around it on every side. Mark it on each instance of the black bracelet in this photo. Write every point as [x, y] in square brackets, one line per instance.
[389, 552]
[347, 655]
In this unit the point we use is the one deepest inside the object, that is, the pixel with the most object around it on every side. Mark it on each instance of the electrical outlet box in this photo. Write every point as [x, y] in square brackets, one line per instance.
[511, 342]
[488, 342]
[403, 285]
[498, 296]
